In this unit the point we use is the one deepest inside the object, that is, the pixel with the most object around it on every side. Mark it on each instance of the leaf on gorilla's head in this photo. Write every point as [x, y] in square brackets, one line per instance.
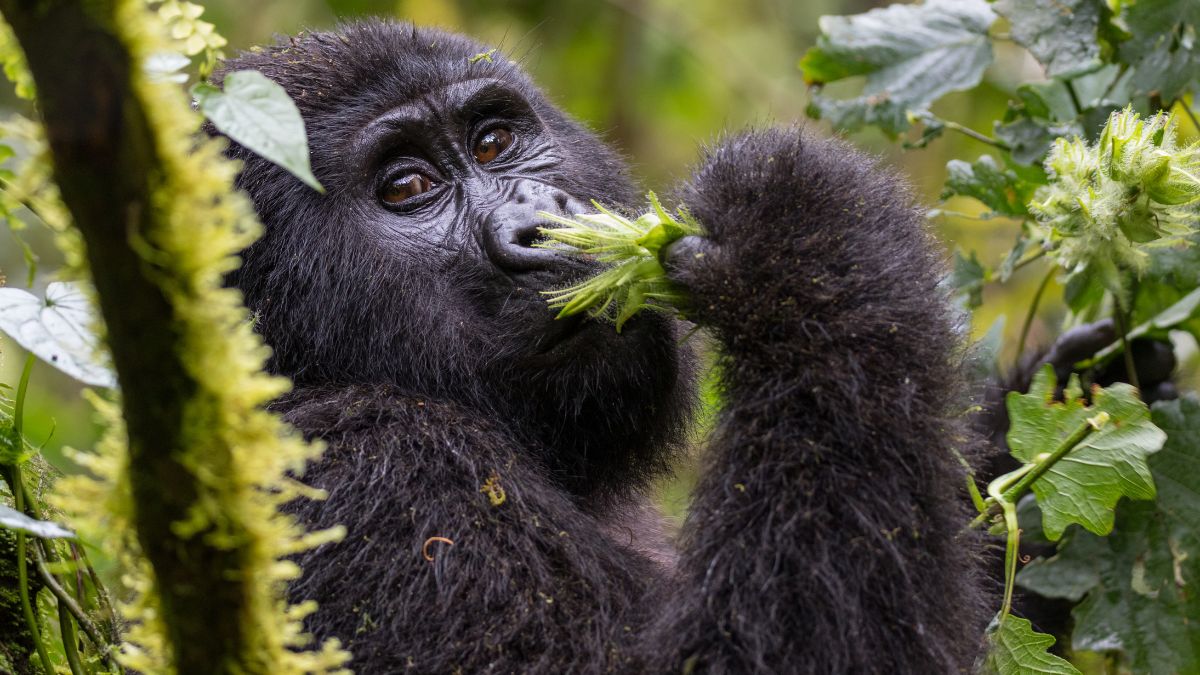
[1085, 485]
[912, 55]
[259, 114]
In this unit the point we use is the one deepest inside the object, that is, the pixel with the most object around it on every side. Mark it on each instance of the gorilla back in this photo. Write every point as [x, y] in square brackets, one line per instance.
[490, 463]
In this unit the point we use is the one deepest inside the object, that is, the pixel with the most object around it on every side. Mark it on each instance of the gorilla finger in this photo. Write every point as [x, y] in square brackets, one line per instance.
[683, 257]
[1080, 343]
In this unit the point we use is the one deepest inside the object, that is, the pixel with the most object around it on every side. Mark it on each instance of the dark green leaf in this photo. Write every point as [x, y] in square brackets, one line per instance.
[1016, 649]
[1005, 271]
[1086, 484]
[1029, 139]
[1061, 35]
[968, 277]
[911, 54]
[998, 188]
[1162, 45]
[257, 113]
[1084, 290]
[1141, 581]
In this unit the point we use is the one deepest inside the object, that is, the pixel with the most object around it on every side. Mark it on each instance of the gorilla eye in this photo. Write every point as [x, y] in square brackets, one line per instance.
[403, 188]
[492, 144]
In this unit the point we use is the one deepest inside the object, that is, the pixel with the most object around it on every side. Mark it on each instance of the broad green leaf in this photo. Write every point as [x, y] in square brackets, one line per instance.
[999, 189]
[1061, 35]
[57, 330]
[1142, 580]
[1030, 139]
[257, 113]
[1162, 46]
[1016, 649]
[1086, 484]
[968, 277]
[1071, 573]
[12, 519]
[912, 55]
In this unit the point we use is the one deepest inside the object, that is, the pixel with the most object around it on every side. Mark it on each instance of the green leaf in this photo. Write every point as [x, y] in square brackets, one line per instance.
[1086, 484]
[968, 277]
[1016, 649]
[257, 113]
[58, 330]
[912, 55]
[999, 189]
[1072, 573]
[1141, 581]
[1030, 139]
[1061, 35]
[12, 519]
[1162, 46]
[1015, 254]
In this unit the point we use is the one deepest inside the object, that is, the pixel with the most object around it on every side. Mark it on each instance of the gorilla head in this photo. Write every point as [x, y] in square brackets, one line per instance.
[417, 267]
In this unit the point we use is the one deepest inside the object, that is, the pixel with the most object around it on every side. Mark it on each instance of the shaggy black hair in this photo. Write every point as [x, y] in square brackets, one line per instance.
[495, 501]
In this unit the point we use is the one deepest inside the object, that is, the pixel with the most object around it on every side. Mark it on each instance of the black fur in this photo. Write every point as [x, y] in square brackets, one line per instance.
[825, 533]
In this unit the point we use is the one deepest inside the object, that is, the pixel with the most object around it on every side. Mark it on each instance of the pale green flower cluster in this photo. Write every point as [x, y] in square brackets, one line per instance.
[1108, 202]
[635, 279]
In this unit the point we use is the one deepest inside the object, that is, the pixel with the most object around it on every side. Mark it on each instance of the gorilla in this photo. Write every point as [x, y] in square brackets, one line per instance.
[492, 464]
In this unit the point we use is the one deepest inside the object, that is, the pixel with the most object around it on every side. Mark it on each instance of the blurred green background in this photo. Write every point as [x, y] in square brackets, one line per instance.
[657, 78]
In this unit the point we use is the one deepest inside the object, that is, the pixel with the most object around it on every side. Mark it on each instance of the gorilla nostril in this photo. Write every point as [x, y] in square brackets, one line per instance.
[561, 198]
[521, 198]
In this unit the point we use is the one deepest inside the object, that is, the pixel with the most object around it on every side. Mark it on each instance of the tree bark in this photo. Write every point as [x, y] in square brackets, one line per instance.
[107, 167]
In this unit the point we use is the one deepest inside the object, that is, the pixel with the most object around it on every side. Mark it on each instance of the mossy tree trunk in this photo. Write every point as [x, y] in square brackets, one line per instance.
[108, 168]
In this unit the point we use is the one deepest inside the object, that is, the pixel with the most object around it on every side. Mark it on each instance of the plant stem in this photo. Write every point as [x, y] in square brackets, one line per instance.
[972, 488]
[23, 576]
[1033, 258]
[1191, 115]
[971, 133]
[19, 404]
[1029, 316]
[1123, 330]
[1084, 430]
[1011, 486]
[17, 484]
[90, 629]
[1011, 546]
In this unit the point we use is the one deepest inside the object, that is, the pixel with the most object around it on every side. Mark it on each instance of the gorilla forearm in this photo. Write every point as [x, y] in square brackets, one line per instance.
[823, 538]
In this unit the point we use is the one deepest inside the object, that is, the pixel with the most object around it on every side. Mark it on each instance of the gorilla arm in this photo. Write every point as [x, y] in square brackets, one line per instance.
[825, 533]
[460, 556]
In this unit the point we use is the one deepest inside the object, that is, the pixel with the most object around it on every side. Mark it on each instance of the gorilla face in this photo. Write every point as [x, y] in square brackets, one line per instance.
[453, 183]
[418, 269]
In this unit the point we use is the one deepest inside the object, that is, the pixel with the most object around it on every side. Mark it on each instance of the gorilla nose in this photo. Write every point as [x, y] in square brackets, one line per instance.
[511, 231]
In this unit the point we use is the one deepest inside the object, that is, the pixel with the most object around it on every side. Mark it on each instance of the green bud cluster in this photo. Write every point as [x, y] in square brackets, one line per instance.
[1108, 202]
[635, 278]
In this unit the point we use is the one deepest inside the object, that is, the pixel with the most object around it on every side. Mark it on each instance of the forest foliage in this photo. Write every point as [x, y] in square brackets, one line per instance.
[1088, 159]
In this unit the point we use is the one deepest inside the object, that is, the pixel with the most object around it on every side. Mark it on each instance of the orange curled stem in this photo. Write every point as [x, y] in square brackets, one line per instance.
[425, 547]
